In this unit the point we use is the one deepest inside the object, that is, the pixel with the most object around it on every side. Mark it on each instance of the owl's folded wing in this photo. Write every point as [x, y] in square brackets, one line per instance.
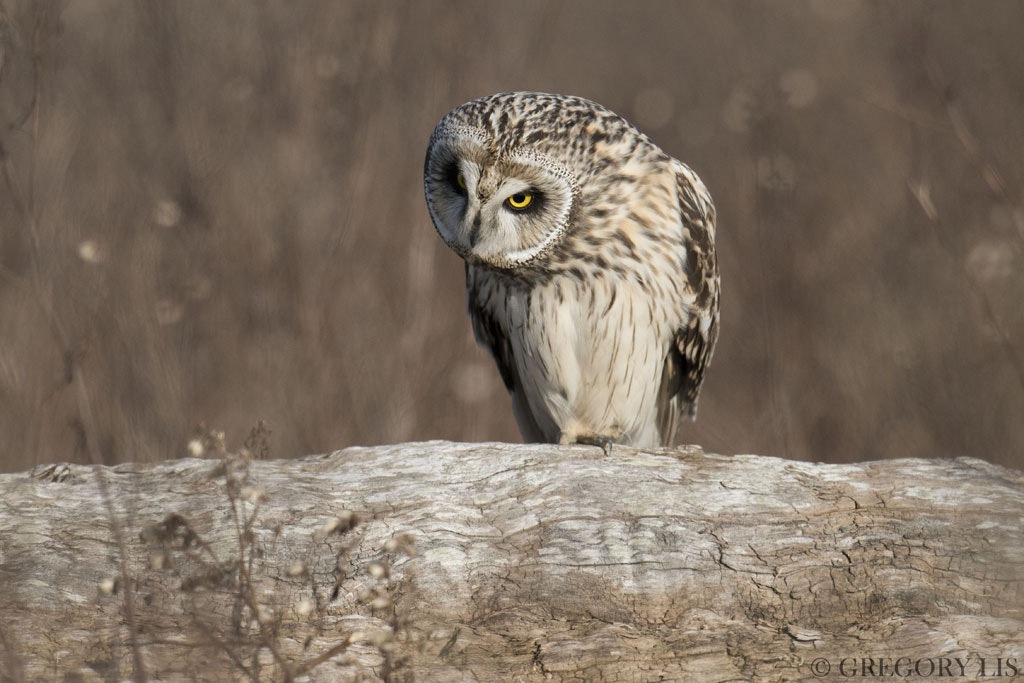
[696, 336]
[492, 337]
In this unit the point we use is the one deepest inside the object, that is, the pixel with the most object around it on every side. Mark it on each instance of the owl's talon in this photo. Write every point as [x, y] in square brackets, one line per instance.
[603, 442]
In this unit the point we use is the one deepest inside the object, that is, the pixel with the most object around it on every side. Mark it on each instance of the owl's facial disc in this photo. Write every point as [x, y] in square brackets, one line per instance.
[503, 211]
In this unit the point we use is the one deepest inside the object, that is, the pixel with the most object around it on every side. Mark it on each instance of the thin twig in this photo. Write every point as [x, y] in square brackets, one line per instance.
[324, 656]
[992, 178]
[77, 377]
[248, 593]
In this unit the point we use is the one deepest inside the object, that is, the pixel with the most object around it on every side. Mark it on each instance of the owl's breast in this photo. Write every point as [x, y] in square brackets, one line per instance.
[589, 354]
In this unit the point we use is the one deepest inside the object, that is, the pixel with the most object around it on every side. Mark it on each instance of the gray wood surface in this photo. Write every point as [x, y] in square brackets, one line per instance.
[443, 562]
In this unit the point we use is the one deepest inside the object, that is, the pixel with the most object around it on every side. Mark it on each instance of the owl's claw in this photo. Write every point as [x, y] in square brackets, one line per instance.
[603, 442]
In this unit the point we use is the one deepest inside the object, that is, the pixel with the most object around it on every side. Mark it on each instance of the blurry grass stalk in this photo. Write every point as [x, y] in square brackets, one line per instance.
[44, 33]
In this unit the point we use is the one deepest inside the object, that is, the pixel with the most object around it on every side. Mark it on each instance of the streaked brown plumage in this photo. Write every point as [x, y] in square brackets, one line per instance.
[590, 264]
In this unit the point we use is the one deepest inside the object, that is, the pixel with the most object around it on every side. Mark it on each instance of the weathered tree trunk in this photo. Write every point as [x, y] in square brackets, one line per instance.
[441, 562]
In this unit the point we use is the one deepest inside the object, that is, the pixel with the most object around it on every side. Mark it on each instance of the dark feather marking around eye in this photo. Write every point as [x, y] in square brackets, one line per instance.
[452, 178]
[536, 204]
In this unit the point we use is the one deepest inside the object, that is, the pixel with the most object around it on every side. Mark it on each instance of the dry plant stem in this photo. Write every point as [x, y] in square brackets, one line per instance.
[218, 642]
[994, 180]
[208, 633]
[226, 649]
[34, 157]
[76, 376]
[308, 666]
[85, 410]
[245, 576]
[89, 428]
[244, 520]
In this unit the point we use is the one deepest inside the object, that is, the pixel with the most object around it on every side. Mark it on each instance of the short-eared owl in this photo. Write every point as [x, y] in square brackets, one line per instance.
[590, 264]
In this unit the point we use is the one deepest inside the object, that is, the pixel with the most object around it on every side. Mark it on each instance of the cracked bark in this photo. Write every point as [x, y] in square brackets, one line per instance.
[530, 562]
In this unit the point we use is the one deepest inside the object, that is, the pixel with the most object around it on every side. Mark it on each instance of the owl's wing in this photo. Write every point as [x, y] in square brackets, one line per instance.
[492, 337]
[696, 336]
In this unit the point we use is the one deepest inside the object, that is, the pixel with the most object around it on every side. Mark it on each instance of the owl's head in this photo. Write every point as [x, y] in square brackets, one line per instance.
[505, 174]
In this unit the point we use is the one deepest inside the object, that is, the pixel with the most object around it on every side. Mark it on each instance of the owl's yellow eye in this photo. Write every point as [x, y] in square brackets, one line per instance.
[460, 180]
[520, 201]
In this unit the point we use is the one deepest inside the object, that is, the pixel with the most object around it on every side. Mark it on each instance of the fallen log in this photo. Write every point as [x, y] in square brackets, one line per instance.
[445, 561]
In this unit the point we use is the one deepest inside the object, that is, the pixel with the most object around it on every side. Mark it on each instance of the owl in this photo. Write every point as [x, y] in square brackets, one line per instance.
[590, 264]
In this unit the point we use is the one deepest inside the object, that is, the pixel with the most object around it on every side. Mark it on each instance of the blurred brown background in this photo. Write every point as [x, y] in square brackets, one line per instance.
[213, 212]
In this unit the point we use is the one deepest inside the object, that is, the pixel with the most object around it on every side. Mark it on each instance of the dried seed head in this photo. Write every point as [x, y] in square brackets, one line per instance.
[378, 636]
[345, 521]
[157, 561]
[167, 213]
[89, 251]
[348, 518]
[253, 494]
[402, 543]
